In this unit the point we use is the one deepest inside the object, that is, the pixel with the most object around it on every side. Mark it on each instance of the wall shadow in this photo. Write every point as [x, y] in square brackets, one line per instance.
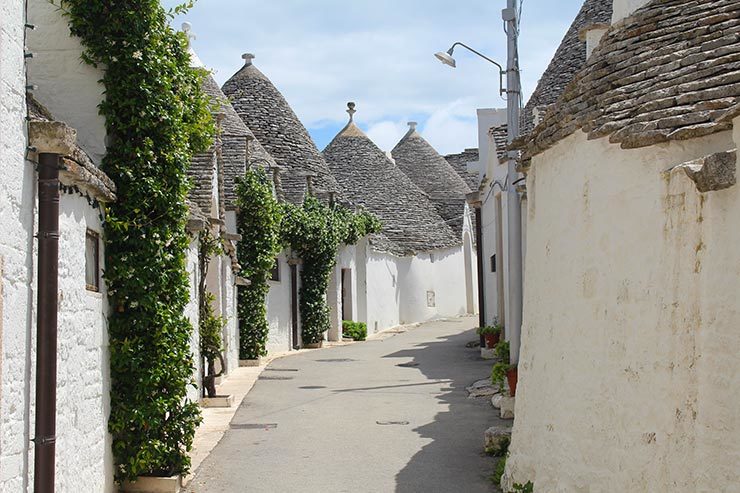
[454, 460]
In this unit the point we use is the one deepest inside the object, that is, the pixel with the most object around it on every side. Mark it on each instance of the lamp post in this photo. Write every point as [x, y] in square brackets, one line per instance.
[513, 205]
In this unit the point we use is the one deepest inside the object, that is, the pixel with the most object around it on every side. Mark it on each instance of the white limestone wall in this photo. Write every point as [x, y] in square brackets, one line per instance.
[231, 329]
[83, 448]
[192, 312]
[383, 292]
[278, 309]
[432, 285]
[66, 86]
[17, 199]
[628, 377]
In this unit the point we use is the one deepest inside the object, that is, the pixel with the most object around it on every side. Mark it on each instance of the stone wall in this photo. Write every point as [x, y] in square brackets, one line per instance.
[628, 374]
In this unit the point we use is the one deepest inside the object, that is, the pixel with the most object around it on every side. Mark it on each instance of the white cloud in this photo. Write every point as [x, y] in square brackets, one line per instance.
[386, 133]
[451, 129]
[380, 55]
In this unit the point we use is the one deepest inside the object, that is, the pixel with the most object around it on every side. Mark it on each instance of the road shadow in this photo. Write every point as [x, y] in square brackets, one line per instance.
[454, 460]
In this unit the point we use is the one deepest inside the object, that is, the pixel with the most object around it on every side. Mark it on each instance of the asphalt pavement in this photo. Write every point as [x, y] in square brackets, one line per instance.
[387, 415]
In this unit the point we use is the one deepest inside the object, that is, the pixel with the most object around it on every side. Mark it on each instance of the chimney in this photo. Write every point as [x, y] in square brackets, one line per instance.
[624, 8]
[412, 126]
[592, 35]
[248, 57]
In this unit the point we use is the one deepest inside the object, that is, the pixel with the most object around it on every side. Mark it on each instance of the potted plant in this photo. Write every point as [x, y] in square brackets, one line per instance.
[491, 334]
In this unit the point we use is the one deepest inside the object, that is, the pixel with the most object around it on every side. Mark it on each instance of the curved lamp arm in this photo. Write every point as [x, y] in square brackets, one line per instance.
[501, 70]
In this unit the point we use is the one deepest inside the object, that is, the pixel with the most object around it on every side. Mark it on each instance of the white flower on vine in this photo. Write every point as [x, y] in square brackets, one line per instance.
[137, 54]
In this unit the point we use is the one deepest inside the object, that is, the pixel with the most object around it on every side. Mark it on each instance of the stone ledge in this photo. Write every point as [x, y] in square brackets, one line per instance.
[150, 484]
[52, 137]
[713, 172]
[217, 401]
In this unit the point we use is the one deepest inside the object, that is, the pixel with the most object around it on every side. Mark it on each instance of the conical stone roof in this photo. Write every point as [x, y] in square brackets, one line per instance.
[369, 179]
[266, 112]
[432, 174]
[234, 137]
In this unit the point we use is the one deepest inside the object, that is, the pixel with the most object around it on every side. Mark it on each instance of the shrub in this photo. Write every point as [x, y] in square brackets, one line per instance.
[355, 330]
[498, 372]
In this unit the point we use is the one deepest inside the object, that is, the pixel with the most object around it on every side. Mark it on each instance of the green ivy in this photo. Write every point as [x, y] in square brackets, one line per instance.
[210, 326]
[258, 223]
[315, 231]
[156, 117]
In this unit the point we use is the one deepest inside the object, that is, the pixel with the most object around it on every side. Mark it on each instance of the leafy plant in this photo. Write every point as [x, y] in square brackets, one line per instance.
[498, 470]
[315, 231]
[258, 222]
[355, 330]
[210, 326]
[498, 372]
[488, 329]
[500, 449]
[528, 487]
[156, 117]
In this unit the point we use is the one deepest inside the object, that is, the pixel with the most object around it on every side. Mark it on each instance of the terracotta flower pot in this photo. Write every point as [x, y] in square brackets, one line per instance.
[512, 376]
[313, 345]
[491, 340]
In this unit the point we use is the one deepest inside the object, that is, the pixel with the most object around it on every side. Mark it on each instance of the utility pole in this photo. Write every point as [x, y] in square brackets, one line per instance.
[513, 204]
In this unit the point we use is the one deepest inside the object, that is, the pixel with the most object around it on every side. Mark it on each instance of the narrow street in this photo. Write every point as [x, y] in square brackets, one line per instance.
[387, 415]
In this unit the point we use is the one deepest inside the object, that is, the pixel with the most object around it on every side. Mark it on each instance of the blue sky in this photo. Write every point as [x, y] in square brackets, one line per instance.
[378, 53]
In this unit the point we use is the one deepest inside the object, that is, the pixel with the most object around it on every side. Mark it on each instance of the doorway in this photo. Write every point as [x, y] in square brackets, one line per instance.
[347, 308]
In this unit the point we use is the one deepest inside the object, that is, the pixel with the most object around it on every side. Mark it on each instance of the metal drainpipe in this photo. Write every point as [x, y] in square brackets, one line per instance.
[46, 324]
[479, 263]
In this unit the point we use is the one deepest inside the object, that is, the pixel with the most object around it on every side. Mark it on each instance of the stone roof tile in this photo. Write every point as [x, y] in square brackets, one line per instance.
[433, 175]
[670, 71]
[266, 112]
[459, 163]
[569, 58]
[371, 180]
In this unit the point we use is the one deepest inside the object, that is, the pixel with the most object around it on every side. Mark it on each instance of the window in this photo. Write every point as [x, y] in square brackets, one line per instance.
[493, 263]
[92, 261]
[275, 274]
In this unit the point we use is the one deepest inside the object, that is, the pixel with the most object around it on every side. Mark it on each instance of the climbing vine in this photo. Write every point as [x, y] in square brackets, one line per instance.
[210, 326]
[156, 118]
[258, 223]
[315, 231]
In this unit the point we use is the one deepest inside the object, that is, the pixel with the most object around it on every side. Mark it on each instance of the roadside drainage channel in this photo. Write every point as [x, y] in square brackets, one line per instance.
[392, 423]
[253, 426]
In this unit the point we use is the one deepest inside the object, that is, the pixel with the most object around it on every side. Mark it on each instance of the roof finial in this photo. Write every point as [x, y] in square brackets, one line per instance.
[187, 29]
[248, 57]
[351, 110]
[412, 126]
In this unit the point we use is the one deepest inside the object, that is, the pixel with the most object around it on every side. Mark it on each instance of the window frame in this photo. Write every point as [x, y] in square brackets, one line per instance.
[94, 235]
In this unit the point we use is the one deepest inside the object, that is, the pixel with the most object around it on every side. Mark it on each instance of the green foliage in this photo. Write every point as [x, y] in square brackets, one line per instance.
[209, 325]
[355, 330]
[528, 487]
[498, 372]
[500, 449]
[498, 470]
[210, 330]
[258, 222]
[157, 117]
[488, 329]
[314, 231]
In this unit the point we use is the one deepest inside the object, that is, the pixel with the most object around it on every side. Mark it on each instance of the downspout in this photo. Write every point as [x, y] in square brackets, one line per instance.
[50, 140]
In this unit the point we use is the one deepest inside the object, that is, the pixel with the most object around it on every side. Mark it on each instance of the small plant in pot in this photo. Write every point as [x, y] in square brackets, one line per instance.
[504, 369]
[491, 334]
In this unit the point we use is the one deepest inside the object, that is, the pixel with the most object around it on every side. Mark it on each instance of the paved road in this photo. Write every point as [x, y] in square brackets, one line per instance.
[388, 415]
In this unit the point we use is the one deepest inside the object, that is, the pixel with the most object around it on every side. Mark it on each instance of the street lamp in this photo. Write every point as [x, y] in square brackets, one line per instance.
[446, 58]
